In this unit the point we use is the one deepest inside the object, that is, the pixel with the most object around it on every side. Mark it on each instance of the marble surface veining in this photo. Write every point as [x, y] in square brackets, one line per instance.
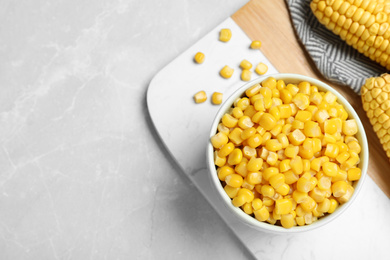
[83, 174]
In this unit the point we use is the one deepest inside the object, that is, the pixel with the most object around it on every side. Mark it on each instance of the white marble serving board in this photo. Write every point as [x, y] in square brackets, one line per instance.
[362, 232]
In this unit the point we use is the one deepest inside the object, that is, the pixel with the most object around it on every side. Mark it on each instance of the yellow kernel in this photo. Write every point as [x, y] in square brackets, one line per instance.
[312, 129]
[292, 88]
[200, 97]
[296, 165]
[324, 205]
[254, 164]
[248, 133]
[257, 204]
[290, 177]
[225, 35]
[247, 194]
[226, 72]
[245, 122]
[216, 98]
[303, 116]
[246, 75]
[255, 44]
[321, 115]
[238, 201]
[354, 146]
[340, 176]
[284, 165]
[301, 101]
[199, 57]
[300, 221]
[247, 208]
[350, 127]
[299, 196]
[277, 180]
[329, 97]
[267, 121]
[234, 180]
[273, 145]
[269, 172]
[262, 214]
[256, 117]
[303, 184]
[229, 121]
[245, 64]
[315, 98]
[247, 185]
[347, 196]
[223, 129]
[248, 152]
[219, 161]
[243, 103]
[333, 205]
[272, 158]
[285, 111]
[317, 194]
[250, 92]
[269, 83]
[354, 174]
[296, 137]
[241, 168]
[255, 140]
[267, 191]
[332, 150]
[283, 140]
[224, 171]
[231, 191]
[291, 151]
[324, 183]
[235, 136]
[261, 68]
[266, 136]
[283, 206]
[309, 204]
[342, 157]
[339, 188]
[286, 96]
[218, 140]
[235, 157]
[276, 130]
[226, 149]
[330, 169]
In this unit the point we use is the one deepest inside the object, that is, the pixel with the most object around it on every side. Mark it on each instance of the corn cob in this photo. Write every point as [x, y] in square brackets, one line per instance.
[376, 102]
[363, 24]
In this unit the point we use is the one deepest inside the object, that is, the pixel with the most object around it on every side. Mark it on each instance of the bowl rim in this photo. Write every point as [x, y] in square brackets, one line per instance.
[264, 226]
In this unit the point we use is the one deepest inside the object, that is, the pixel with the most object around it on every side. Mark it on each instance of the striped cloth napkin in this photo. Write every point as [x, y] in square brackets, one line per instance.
[337, 61]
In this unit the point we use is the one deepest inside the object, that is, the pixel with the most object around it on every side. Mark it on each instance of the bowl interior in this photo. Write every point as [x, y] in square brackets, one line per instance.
[263, 226]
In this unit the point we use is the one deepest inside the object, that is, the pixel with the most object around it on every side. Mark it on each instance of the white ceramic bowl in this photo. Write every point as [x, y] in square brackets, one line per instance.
[263, 226]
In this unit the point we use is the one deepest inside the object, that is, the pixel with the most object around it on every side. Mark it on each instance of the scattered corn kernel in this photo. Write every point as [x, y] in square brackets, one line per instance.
[200, 97]
[255, 44]
[261, 68]
[226, 72]
[246, 75]
[216, 98]
[245, 65]
[199, 57]
[225, 35]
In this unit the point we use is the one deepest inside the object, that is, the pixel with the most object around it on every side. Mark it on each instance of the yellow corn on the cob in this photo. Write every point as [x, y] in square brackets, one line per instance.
[376, 102]
[363, 24]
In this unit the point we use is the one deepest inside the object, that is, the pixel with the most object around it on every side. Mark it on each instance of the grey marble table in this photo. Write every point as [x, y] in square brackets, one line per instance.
[83, 172]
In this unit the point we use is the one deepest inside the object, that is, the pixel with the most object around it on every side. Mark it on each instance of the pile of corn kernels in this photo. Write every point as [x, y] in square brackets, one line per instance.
[227, 72]
[287, 154]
